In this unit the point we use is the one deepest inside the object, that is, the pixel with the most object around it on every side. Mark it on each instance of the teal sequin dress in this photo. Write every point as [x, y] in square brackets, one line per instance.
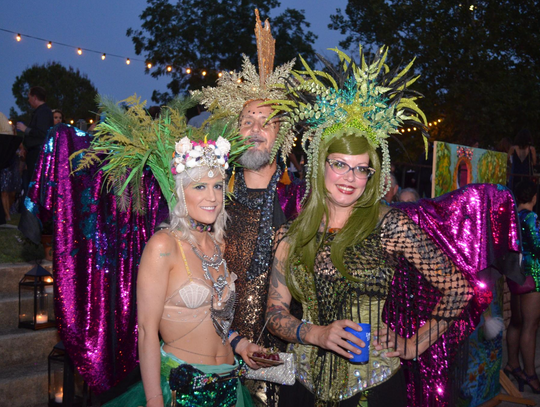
[530, 235]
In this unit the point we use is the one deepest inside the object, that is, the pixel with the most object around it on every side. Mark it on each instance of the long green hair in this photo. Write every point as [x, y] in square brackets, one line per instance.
[303, 237]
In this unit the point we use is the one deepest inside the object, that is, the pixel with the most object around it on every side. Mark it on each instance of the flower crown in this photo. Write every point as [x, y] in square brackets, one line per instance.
[207, 153]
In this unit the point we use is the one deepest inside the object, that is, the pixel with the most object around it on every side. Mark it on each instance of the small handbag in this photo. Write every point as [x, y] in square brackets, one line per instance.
[516, 289]
[280, 374]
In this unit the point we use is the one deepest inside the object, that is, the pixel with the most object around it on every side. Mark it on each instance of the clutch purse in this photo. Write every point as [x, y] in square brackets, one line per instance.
[284, 373]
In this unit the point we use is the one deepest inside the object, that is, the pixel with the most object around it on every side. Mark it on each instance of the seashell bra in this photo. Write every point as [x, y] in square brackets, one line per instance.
[191, 301]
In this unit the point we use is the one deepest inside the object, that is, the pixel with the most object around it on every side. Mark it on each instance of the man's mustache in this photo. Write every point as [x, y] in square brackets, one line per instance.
[255, 139]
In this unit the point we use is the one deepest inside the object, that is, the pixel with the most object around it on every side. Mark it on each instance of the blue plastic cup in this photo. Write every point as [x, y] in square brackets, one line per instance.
[365, 336]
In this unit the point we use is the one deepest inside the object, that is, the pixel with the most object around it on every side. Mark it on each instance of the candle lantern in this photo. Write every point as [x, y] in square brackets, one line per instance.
[66, 387]
[36, 305]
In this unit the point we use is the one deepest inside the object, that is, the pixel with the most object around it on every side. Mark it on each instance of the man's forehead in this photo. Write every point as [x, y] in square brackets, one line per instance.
[256, 109]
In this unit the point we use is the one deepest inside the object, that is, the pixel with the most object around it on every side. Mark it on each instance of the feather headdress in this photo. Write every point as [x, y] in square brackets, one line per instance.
[235, 89]
[365, 99]
[129, 141]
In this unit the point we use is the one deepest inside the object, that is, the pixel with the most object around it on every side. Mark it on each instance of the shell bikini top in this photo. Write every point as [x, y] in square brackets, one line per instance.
[192, 301]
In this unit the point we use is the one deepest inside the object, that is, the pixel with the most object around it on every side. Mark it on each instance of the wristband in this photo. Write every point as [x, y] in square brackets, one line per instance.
[300, 341]
[231, 331]
[235, 341]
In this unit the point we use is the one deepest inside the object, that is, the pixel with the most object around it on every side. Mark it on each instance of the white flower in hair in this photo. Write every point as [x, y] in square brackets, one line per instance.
[183, 146]
[180, 167]
[191, 162]
[223, 145]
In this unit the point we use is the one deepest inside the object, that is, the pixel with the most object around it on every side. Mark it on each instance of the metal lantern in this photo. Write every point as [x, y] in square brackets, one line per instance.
[36, 305]
[66, 387]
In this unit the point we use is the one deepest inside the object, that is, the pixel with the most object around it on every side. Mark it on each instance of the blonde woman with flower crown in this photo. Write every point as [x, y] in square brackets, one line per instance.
[186, 295]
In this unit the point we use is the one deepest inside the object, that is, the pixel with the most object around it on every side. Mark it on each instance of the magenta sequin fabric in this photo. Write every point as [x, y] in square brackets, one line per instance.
[290, 198]
[476, 226]
[96, 254]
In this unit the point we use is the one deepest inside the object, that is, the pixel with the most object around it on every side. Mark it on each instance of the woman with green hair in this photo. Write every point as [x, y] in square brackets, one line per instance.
[339, 256]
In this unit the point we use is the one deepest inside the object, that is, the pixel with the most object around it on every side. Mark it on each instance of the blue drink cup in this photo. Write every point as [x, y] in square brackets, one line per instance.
[365, 336]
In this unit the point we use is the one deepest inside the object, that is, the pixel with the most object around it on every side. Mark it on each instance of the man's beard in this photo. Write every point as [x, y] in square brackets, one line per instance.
[254, 159]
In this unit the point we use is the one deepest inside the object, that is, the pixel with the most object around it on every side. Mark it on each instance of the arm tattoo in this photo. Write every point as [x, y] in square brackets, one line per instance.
[164, 254]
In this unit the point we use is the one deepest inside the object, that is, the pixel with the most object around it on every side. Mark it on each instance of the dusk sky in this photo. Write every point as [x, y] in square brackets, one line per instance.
[101, 25]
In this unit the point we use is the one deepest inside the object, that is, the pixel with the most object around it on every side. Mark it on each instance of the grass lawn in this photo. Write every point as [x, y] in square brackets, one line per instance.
[15, 248]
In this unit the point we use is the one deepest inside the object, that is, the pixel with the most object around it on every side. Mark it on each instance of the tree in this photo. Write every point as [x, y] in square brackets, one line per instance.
[479, 61]
[67, 89]
[211, 36]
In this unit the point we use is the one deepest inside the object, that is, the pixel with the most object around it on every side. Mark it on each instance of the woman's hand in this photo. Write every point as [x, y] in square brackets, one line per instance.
[386, 338]
[246, 349]
[334, 337]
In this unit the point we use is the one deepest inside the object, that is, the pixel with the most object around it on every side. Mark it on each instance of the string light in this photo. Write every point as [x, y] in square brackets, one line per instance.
[239, 80]
[80, 50]
[90, 121]
[71, 121]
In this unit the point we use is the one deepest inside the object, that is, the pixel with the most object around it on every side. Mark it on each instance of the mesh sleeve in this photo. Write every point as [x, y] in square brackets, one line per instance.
[400, 236]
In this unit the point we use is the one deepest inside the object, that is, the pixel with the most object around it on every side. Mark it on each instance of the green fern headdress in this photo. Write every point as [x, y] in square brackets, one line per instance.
[368, 100]
[128, 141]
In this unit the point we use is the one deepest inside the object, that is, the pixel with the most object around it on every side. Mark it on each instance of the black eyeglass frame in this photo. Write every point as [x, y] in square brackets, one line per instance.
[371, 171]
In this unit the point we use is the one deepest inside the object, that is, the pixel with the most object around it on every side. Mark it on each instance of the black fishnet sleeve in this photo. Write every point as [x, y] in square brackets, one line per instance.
[400, 236]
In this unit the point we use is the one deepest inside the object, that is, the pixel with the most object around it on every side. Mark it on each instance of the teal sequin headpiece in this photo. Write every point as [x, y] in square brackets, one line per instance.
[367, 100]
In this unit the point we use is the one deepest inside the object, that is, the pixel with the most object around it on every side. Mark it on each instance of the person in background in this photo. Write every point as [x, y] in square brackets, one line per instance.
[521, 334]
[58, 116]
[408, 195]
[36, 131]
[523, 157]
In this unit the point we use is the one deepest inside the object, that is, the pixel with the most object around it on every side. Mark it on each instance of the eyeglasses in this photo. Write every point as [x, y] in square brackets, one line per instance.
[341, 168]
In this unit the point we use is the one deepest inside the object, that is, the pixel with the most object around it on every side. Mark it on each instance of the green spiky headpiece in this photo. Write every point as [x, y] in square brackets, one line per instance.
[367, 100]
[128, 141]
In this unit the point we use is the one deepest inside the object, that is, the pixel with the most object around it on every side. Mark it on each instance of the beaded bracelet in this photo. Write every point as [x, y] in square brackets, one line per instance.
[300, 341]
[235, 341]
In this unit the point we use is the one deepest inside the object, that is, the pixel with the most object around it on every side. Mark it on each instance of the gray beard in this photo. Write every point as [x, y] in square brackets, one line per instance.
[255, 159]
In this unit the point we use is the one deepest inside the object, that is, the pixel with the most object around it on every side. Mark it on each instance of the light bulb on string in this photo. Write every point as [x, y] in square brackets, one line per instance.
[128, 61]
[18, 37]
[169, 68]
[49, 45]
[203, 73]
[188, 71]
[103, 57]
[220, 74]
[149, 65]
[239, 80]
[71, 121]
[79, 51]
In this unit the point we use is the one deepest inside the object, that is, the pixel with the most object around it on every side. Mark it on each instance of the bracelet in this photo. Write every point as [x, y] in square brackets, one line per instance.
[300, 341]
[235, 341]
[153, 397]
[231, 331]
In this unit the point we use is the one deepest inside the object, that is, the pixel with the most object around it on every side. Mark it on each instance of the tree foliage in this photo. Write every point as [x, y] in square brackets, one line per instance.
[67, 89]
[479, 61]
[212, 36]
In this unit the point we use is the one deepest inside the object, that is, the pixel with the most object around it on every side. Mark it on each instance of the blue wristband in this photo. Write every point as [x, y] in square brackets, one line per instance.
[300, 341]
[235, 341]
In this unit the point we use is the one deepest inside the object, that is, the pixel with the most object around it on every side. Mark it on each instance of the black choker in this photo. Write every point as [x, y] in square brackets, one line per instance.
[200, 227]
